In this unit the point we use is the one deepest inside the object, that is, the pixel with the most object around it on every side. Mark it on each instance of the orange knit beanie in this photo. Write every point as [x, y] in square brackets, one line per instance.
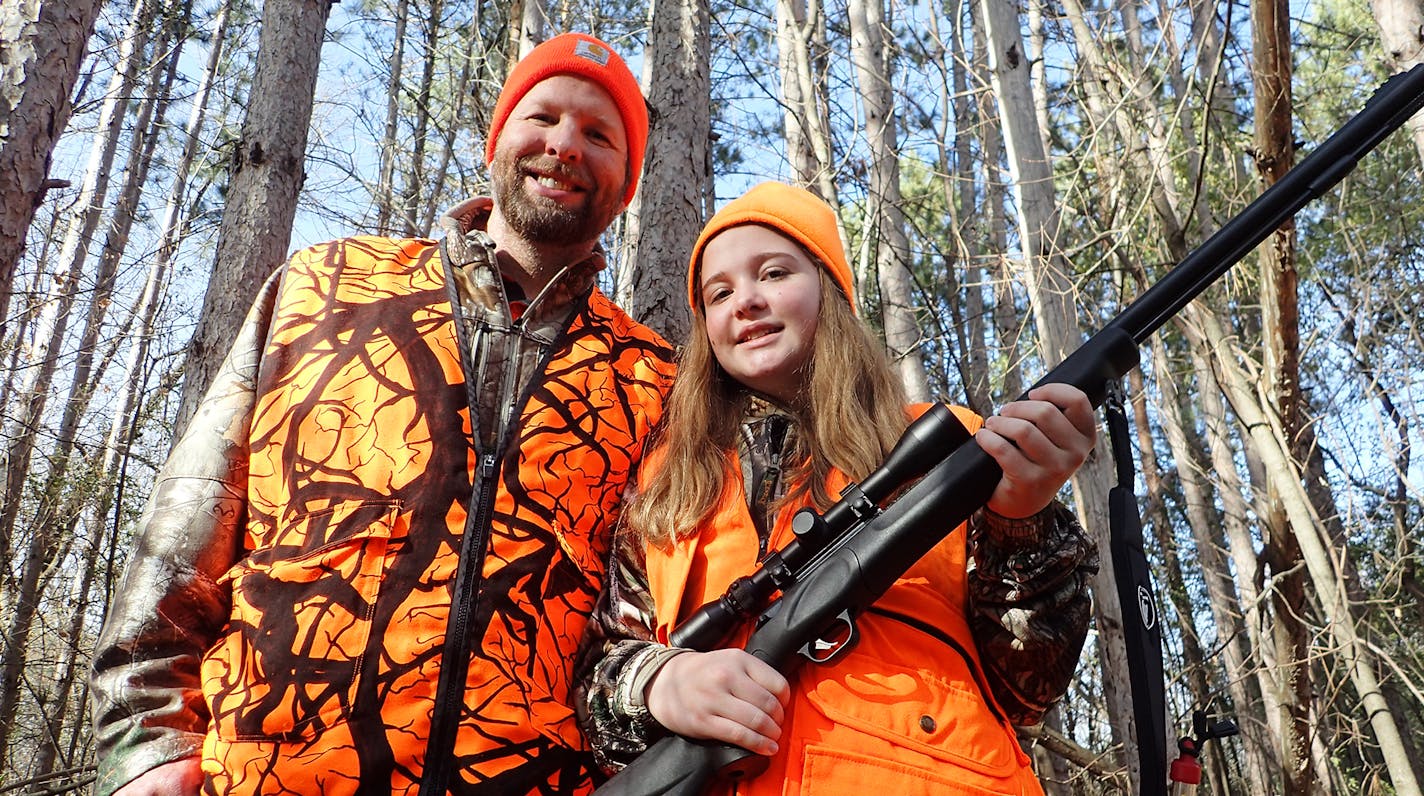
[583, 56]
[794, 212]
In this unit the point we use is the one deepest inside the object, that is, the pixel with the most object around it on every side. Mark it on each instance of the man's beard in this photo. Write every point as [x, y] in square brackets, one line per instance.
[545, 221]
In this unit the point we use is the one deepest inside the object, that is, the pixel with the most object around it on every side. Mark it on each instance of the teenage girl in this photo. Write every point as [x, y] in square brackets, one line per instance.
[782, 397]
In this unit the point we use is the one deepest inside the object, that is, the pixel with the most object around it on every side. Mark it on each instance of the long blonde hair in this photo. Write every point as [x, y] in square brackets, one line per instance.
[851, 414]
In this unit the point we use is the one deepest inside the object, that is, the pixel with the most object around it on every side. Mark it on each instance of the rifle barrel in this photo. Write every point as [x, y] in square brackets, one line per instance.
[1392, 104]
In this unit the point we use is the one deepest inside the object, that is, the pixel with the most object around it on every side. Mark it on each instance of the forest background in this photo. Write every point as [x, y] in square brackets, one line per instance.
[1009, 176]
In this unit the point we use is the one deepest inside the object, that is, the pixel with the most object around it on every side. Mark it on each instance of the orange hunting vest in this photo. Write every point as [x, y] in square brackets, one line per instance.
[904, 712]
[363, 489]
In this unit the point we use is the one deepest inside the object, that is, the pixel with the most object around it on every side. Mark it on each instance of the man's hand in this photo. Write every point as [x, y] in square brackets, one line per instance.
[1039, 443]
[179, 778]
[725, 695]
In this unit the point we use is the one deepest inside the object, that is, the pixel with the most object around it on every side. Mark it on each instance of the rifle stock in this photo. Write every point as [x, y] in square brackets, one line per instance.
[870, 556]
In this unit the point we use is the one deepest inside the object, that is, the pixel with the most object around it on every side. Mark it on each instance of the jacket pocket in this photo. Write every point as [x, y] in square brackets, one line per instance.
[292, 656]
[855, 773]
[903, 696]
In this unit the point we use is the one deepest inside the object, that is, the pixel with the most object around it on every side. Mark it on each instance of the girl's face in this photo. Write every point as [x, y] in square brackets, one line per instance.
[761, 294]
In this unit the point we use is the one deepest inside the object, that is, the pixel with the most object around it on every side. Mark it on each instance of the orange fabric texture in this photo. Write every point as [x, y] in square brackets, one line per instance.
[357, 503]
[902, 711]
[583, 56]
[796, 213]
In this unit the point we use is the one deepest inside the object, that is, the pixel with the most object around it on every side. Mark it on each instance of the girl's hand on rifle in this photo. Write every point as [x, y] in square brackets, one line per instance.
[725, 695]
[1039, 443]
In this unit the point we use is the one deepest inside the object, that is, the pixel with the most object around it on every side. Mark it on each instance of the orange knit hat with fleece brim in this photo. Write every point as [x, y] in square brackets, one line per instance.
[795, 213]
[584, 56]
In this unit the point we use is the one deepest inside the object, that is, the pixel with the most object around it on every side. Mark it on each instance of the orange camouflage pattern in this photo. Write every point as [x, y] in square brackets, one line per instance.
[362, 472]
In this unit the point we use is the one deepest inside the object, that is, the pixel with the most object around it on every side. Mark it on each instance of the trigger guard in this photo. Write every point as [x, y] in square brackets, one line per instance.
[821, 651]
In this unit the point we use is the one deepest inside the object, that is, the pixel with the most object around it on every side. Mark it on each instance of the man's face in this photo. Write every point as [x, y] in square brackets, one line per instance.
[560, 165]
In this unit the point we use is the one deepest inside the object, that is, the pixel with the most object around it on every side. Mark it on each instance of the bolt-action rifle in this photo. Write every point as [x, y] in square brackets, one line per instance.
[841, 561]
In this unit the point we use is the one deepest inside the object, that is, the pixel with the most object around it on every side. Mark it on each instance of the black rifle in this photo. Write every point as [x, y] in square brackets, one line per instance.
[843, 560]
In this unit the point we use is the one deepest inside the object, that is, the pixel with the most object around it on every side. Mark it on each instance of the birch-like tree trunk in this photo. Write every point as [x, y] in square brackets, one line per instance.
[51, 532]
[1353, 654]
[1155, 517]
[533, 22]
[808, 140]
[800, 36]
[791, 45]
[267, 176]
[42, 45]
[667, 212]
[1121, 87]
[1401, 24]
[962, 290]
[1044, 272]
[884, 212]
[1193, 465]
[966, 108]
[1008, 325]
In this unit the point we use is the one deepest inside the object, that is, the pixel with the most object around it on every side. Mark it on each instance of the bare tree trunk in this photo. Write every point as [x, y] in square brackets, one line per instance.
[1156, 517]
[1266, 739]
[885, 214]
[1045, 274]
[963, 275]
[70, 668]
[1401, 24]
[43, 44]
[1052, 767]
[1138, 121]
[50, 525]
[808, 144]
[791, 46]
[1037, 69]
[532, 23]
[1205, 524]
[800, 32]
[1268, 438]
[385, 184]
[41, 553]
[1008, 326]
[415, 178]
[53, 319]
[667, 211]
[1275, 154]
[460, 92]
[267, 177]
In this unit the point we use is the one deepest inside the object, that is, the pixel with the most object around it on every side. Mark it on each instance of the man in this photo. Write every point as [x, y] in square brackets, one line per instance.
[367, 565]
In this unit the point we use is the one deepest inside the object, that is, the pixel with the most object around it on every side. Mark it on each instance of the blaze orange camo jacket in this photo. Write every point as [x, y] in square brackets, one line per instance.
[369, 560]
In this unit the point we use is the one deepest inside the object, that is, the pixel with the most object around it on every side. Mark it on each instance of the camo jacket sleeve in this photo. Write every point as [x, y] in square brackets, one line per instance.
[618, 659]
[1029, 605]
[148, 706]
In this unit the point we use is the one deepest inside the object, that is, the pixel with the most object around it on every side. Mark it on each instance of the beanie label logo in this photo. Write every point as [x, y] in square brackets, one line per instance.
[592, 52]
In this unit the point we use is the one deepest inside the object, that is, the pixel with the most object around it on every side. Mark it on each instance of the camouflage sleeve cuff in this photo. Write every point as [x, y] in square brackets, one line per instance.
[613, 711]
[630, 695]
[1018, 533]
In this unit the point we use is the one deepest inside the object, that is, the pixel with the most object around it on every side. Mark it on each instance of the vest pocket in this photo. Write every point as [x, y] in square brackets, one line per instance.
[903, 696]
[929, 719]
[290, 660]
[859, 773]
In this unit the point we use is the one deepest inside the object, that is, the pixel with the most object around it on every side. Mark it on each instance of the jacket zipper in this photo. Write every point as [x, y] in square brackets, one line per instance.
[455, 653]
[455, 656]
